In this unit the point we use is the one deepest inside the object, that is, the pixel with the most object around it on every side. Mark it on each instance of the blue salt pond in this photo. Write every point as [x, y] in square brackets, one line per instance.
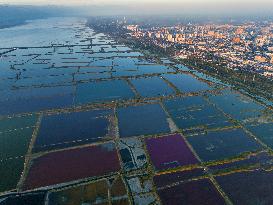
[187, 83]
[142, 120]
[194, 112]
[103, 91]
[237, 105]
[152, 87]
[71, 129]
[219, 145]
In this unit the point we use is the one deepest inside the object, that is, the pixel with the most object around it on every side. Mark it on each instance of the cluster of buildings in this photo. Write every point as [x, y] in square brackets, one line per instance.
[246, 46]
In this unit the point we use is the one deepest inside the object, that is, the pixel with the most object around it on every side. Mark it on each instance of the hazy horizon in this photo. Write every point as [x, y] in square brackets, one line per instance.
[135, 7]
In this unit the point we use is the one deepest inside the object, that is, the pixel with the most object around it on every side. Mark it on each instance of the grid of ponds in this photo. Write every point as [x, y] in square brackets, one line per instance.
[86, 120]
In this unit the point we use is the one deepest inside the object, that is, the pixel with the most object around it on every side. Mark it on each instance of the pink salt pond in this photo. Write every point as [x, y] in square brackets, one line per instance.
[169, 152]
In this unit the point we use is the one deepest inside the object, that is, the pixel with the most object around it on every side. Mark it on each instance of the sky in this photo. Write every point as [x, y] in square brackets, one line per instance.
[162, 6]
